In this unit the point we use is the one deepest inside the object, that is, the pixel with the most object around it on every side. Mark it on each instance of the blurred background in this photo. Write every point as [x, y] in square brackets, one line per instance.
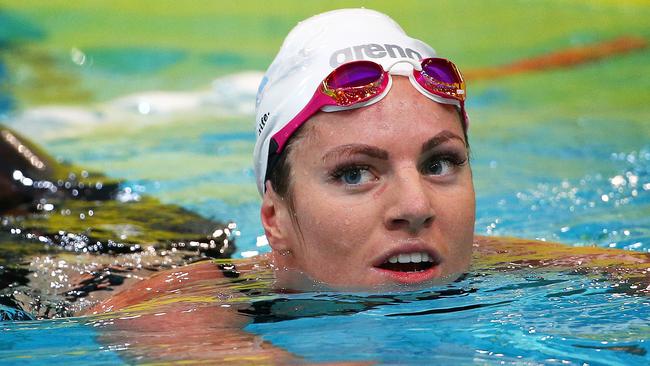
[161, 93]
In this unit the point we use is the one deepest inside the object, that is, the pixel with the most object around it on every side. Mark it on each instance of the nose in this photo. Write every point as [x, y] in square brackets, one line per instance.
[410, 208]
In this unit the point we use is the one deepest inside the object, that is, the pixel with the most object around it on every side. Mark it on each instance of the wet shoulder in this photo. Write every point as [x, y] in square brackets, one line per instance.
[513, 253]
[213, 279]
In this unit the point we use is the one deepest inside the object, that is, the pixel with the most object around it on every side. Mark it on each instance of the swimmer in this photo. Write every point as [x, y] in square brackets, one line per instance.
[362, 158]
[363, 164]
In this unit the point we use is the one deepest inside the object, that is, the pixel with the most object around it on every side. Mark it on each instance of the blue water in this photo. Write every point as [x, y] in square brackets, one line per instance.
[524, 317]
[512, 317]
[53, 342]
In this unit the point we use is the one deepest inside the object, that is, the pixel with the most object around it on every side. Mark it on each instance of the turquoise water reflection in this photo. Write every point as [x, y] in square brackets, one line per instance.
[53, 342]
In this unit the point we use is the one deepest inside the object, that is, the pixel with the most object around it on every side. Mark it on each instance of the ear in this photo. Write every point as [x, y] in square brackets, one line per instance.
[275, 219]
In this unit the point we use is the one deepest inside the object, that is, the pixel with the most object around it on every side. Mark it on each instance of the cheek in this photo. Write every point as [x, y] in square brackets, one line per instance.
[462, 208]
[455, 213]
[329, 226]
[462, 224]
[460, 200]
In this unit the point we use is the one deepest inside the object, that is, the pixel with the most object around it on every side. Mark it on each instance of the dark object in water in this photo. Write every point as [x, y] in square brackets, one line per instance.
[28, 174]
[20, 157]
[81, 211]
[632, 349]
[89, 229]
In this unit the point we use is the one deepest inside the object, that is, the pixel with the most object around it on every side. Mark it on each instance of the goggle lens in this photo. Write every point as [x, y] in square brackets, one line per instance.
[441, 76]
[354, 82]
[353, 75]
[439, 70]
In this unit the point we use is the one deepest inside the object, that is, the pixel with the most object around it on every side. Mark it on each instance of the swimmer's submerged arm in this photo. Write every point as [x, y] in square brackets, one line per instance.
[619, 265]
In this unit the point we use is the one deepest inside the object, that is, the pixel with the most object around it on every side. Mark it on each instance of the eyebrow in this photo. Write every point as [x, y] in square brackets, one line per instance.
[356, 149]
[440, 138]
[375, 152]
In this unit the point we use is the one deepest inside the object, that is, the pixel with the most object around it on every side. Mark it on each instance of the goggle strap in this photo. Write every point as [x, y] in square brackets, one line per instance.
[317, 101]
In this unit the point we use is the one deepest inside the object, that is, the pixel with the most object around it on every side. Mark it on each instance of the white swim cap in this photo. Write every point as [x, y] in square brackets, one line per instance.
[314, 48]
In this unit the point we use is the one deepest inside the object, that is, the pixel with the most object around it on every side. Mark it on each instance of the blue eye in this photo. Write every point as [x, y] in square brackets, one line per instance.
[353, 175]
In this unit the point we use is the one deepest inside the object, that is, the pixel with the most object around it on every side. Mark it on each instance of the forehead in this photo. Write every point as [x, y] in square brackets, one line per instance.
[404, 115]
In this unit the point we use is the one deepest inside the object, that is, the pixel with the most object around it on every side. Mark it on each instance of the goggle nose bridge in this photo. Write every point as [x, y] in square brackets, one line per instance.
[396, 67]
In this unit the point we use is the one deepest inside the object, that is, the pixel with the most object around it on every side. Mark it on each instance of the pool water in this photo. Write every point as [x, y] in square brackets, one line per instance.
[486, 319]
[558, 155]
[492, 316]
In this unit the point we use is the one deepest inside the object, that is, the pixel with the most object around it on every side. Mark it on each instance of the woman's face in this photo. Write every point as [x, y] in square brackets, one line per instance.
[382, 196]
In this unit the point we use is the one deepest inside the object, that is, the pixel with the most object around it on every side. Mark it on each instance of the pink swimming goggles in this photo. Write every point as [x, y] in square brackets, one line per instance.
[359, 83]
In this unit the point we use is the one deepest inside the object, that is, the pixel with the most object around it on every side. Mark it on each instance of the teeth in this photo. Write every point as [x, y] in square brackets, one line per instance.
[410, 258]
[404, 258]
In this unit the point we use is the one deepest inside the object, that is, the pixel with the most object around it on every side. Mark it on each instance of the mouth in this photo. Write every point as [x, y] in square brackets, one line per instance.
[408, 262]
[410, 266]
